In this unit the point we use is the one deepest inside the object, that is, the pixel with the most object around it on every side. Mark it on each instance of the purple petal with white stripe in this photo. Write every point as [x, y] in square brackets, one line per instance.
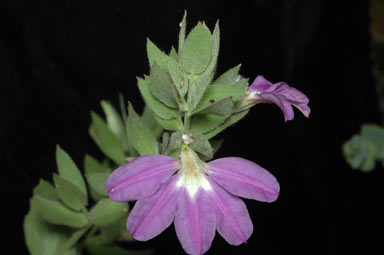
[140, 178]
[233, 221]
[151, 216]
[195, 222]
[244, 178]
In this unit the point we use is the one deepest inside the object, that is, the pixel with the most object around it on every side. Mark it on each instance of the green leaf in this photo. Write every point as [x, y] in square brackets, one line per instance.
[199, 84]
[111, 232]
[228, 122]
[175, 142]
[142, 138]
[205, 123]
[96, 181]
[370, 158]
[149, 120]
[174, 124]
[162, 87]
[197, 88]
[360, 153]
[71, 241]
[183, 25]
[56, 213]
[107, 141]
[241, 84]
[92, 165]
[70, 194]
[197, 49]
[40, 236]
[223, 107]
[115, 123]
[107, 211]
[69, 171]
[201, 145]
[155, 55]
[215, 48]
[46, 190]
[375, 134]
[216, 93]
[99, 174]
[229, 77]
[95, 247]
[122, 108]
[354, 151]
[177, 75]
[216, 144]
[164, 142]
[173, 53]
[154, 104]
[73, 251]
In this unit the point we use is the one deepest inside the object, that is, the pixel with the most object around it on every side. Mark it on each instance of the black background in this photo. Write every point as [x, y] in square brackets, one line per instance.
[58, 59]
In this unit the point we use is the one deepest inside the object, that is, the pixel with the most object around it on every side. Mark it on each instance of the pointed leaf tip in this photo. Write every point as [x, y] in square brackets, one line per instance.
[196, 54]
[106, 140]
[69, 171]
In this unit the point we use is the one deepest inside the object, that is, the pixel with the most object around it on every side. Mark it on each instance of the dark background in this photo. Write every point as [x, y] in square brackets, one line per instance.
[58, 60]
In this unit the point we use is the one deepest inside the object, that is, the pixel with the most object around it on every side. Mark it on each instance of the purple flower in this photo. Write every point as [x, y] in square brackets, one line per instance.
[198, 197]
[263, 91]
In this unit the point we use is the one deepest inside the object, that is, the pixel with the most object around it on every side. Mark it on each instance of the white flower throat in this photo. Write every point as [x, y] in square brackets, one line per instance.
[192, 175]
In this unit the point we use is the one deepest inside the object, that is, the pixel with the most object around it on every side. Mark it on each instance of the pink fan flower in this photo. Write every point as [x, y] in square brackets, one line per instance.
[280, 93]
[198, 197]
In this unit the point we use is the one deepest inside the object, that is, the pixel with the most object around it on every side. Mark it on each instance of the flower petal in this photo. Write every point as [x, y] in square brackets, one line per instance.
[140, 178]
[233, 221]
[284, 105]
[195, 222]
[294, 96]
[280, 93]
[261, 85]
[244, 178]
[151, 216]
[301, 102]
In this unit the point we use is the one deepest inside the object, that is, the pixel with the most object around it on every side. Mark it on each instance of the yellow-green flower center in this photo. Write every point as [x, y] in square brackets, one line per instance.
[192, 175]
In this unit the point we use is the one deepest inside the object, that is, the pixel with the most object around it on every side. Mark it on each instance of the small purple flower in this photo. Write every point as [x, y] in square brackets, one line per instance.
[198, 197]
[263, 91]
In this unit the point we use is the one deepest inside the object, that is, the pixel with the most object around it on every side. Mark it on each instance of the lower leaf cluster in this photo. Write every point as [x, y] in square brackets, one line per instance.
[60, 221]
